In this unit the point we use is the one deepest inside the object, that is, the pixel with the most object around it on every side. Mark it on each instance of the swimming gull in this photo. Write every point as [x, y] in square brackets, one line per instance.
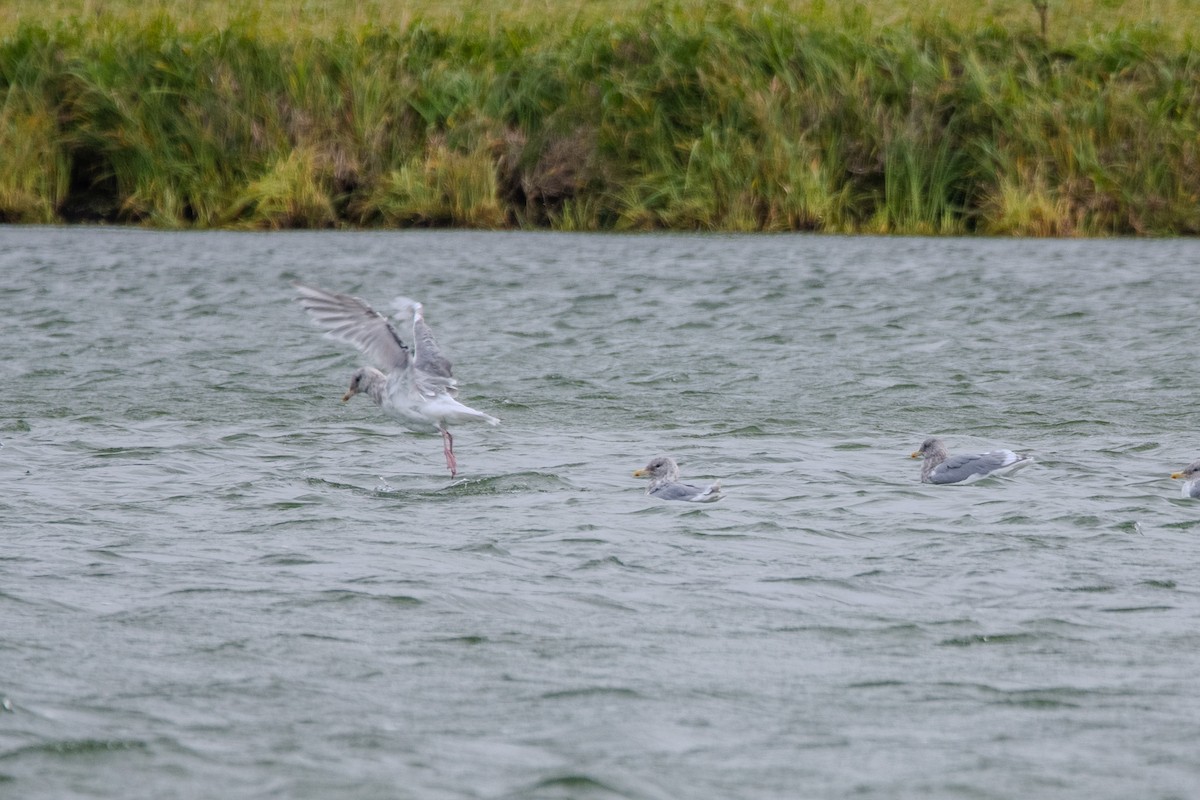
[941, 467]
[1191, 476]
[663, 473]
[413, 384]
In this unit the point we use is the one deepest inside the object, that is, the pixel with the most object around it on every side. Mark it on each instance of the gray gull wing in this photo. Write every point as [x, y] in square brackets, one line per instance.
[433, 373]
[351, 320]
[685, 491]
[962, 467]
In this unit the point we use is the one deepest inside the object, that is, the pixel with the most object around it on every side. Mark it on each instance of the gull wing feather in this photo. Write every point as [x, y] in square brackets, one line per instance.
[961, 467]
[349, 319]
[432, 370]
[685, 491]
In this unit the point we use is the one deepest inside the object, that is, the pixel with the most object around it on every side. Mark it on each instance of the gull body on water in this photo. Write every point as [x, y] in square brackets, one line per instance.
[663, 473]
[941, 467]
[414, 385]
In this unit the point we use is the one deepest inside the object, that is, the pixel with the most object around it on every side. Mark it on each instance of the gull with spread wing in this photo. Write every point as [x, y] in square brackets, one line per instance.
[411, 382]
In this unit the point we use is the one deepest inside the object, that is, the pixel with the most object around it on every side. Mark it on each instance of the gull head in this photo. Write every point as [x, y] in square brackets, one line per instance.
[659, 469]
[1190, 472]
[360, 381]
[931, 447]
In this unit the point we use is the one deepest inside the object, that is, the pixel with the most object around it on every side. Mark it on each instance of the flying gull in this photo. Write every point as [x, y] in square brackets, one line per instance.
[410, 382]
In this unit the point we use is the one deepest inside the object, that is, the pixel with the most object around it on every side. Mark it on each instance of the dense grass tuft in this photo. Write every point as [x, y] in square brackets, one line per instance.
[714, 116]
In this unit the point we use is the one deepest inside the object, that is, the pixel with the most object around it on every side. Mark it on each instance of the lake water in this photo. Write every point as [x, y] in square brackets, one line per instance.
[217, 580]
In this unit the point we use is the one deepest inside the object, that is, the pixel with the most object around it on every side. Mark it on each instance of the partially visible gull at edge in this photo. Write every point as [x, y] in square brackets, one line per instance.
[1191, 479]
[411, 382]
[663, 473]
[941, 467]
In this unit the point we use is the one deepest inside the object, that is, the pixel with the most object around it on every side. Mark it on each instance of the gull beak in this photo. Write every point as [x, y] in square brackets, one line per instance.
[916, 454]
[348, 395]
[641, 473]
[1177, 475]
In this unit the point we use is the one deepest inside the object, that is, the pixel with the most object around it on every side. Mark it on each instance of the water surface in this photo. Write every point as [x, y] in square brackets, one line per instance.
[218, 580]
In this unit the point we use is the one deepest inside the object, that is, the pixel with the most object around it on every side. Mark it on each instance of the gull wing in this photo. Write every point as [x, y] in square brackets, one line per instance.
[349, 319]
[961, 467]
[432, 370]
[686, 491]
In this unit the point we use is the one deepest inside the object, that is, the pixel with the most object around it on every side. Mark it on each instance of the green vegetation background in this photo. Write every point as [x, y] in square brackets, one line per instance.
[1081, 118]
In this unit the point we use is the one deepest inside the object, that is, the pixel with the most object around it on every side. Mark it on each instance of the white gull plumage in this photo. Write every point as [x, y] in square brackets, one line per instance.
[1191, 479]
[663, 473]
[412, 383]
[941, 467]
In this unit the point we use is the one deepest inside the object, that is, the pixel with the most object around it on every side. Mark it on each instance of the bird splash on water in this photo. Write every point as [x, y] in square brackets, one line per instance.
[413, 382]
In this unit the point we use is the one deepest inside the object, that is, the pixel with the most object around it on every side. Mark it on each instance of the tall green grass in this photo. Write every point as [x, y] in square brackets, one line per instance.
[712, 115]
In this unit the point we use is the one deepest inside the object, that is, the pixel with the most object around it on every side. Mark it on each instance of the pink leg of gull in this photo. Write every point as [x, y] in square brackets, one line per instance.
[448, 449]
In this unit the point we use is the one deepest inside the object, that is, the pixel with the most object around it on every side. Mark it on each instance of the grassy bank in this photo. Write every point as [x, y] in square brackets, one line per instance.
[701, 115]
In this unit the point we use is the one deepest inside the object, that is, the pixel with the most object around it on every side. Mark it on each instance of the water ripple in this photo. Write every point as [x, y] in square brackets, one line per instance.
[222, 580]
